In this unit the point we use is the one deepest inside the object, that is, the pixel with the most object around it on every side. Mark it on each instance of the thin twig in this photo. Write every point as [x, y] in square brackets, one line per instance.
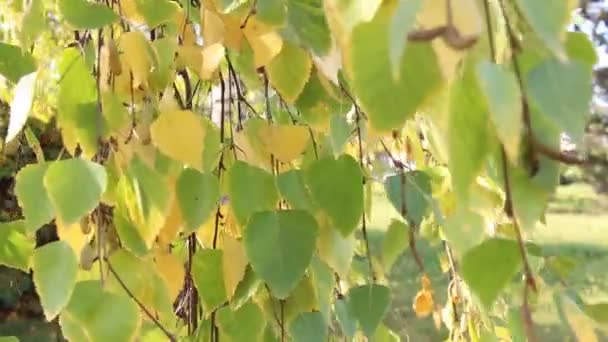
[169, 335]
[364, 181]
[514, 45]
[508, 208]
[505, 170]
[527, 316]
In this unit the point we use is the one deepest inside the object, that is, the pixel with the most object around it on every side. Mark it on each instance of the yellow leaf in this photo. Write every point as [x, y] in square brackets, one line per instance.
[189, 56]
[235, 263]
[136, 55]
[172, 226]
[233, 35]
[171, 271]
[180, 135]
[285, 142]
[467, 19]
[77, 235]
[265, 43]
[250, 147]
[212, 57]
[423, 303]
[114, 58]
[582, 327]
[212, 27]
[167, 102]
[128, 9]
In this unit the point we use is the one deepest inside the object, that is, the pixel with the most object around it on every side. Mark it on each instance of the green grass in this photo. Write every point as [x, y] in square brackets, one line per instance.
[577, 225]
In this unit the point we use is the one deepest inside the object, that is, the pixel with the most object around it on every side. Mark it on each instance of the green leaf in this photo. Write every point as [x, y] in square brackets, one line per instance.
[323, 280]
[315, 103]
[402, 22]
[307, 23]
[32, 196]
[242, 325]
[368, 304]
[580, 48]
[280, 245]
[598, 312]
[32, 24]
[529, 198]
[197, 196]
[289, 71]
[146, 198]
[77, 110]
[15, 63]
[336, 186]
[488, 268]
[308, 327]
[21, 104]
[515, 324]
[165, 51]
[335, 249]
[208, 277]
[16, 249]
[82, 14]
[346, 318]
[548, 21]
[568, 106]
[394, 242]
[415, 186]
[55, 267]
[381, 96]
[503, 95]
[250, 189]
[245, 289]
[9, 339]
[74, 187]
[271, 12]
[142, 280]
[293, 189]
[96, 315]
[128, 233]
[383, 334]
[156, 12]
[468, 132]
[464, 230]
[340, 133]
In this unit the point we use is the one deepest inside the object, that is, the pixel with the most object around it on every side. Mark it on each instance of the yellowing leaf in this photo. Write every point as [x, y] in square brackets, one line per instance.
[423, 303]
[285, 142]
[136, 55]
[212, 56]
[180, 135]
[74, 234]
[265, 43]
[468, 20]
[172, 226]
[172, 272]
[189, 56]
[289, 71]
[343, 16]
[235, 263]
